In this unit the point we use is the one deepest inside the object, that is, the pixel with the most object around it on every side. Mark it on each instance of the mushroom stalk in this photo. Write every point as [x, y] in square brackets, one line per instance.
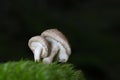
[37, 53]
[62, 55]
[54, 51]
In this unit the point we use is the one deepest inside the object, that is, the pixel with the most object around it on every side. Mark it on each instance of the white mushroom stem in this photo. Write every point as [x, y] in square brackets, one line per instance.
[62, 55]
[56, 48]
[54, 51]
[37, 53]
[49, 59]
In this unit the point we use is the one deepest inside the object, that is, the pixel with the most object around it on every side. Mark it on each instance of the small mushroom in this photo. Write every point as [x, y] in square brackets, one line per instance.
[59, 45]
[39, 47]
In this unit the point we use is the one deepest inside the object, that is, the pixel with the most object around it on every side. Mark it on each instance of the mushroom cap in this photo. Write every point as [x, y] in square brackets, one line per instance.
[40, 40]
[58, 36]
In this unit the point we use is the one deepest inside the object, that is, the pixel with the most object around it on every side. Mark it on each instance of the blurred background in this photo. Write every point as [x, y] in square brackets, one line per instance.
[91, 26]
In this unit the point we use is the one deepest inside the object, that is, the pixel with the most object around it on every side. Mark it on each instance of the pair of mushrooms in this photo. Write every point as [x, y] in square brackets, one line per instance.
[48, 45]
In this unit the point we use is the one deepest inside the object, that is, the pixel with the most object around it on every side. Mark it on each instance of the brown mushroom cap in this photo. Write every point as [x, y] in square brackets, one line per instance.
[40, 39]
[58, 36]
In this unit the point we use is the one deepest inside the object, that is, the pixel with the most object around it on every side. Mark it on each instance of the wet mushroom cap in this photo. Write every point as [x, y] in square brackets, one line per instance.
[58, 36]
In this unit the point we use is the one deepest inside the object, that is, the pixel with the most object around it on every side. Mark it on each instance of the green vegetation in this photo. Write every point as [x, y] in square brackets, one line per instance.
[29, 70]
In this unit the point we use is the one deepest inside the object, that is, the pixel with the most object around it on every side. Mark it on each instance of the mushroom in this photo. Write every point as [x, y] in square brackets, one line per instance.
[39, 47]
[59, 45]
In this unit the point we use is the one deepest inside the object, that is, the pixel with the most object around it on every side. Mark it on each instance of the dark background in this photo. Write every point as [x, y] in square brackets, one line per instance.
[91, 26]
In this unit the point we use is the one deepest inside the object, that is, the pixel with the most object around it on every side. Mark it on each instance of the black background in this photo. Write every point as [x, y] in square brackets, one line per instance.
[91, 26]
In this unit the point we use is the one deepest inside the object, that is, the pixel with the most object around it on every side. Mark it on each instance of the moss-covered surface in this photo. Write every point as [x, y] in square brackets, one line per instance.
[29, 70]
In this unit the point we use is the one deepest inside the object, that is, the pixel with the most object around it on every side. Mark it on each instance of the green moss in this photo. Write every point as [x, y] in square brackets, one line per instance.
[29, 70]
